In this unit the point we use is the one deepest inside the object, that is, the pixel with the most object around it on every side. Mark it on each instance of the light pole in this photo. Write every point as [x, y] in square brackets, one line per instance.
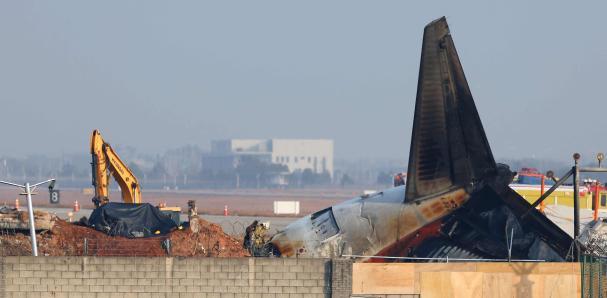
[28, 192]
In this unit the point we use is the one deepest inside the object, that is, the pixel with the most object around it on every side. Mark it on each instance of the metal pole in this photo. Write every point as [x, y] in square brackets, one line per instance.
[549, 192]
[596, 201]
[576, 205]
[30, 211]
[28, 192]
[593, 170]
[543, 203]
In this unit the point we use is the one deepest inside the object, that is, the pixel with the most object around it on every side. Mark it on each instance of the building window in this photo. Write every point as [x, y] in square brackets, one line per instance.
[296, 159]
[603, 200]
[309, 159]
[287, 159]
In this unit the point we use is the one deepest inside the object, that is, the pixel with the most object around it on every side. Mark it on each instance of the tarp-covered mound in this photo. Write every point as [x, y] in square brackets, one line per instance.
[130, 220]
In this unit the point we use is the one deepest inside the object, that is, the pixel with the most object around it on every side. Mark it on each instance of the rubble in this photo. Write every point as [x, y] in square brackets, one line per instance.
[594, 238]
[205, 239]
[195, 224]
[66, 239]
[13, 219]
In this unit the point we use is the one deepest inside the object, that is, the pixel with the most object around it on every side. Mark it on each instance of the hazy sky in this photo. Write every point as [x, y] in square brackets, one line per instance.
[161, 74]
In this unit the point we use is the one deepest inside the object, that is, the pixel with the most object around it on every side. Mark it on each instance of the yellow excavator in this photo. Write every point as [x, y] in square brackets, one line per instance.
[105, 162]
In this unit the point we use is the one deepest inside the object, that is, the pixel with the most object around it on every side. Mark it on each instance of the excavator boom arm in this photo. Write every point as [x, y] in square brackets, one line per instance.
[105, 161]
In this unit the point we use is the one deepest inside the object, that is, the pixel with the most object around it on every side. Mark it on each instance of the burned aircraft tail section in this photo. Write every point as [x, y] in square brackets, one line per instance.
[449, 148]
[457, 200]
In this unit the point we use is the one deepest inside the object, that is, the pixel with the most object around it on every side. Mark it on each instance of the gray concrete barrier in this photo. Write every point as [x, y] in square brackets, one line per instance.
[168, 277]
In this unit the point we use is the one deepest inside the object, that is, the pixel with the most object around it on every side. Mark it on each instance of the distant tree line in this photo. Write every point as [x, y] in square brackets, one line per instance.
[182, 168]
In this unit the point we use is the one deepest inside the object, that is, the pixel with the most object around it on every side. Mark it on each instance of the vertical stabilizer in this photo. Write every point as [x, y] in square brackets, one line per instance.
[449, 147]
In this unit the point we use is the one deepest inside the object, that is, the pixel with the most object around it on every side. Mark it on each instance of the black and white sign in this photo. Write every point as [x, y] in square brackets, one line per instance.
[54, 196]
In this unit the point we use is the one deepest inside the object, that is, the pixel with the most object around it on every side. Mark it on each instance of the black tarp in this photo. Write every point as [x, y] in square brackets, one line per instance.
[130, 220]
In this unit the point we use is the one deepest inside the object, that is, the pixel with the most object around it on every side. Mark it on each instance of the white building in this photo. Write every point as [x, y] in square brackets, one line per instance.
[296, 154]
[316, 155]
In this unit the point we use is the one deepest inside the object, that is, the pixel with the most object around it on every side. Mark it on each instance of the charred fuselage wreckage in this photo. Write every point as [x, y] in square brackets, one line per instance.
[456, 203]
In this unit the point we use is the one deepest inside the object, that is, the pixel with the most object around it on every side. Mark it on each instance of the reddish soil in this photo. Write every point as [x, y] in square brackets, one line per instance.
[66, 239]
[209, 241]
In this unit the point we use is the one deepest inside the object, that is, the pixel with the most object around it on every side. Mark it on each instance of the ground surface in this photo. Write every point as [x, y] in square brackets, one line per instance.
[66, 239]
[239, 202]
[220, 235]
[562, 216]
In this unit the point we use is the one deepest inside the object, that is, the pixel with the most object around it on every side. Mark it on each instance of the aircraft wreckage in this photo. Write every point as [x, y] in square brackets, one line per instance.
[456, 203]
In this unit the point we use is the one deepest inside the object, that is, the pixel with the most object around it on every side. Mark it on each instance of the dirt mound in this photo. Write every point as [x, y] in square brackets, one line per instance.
[210, 240]
[15, 245]
[66, 239]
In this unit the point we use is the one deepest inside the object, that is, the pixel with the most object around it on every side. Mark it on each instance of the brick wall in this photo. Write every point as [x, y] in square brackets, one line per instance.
[164, 277]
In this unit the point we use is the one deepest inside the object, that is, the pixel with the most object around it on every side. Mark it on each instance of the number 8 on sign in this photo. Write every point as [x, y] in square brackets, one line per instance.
[54, 196]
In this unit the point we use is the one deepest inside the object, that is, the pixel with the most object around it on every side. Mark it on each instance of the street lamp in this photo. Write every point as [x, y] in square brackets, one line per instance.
[28, 192]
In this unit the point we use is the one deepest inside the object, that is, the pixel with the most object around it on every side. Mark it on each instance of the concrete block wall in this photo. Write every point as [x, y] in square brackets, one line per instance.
[341, 278]
[127, 277]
